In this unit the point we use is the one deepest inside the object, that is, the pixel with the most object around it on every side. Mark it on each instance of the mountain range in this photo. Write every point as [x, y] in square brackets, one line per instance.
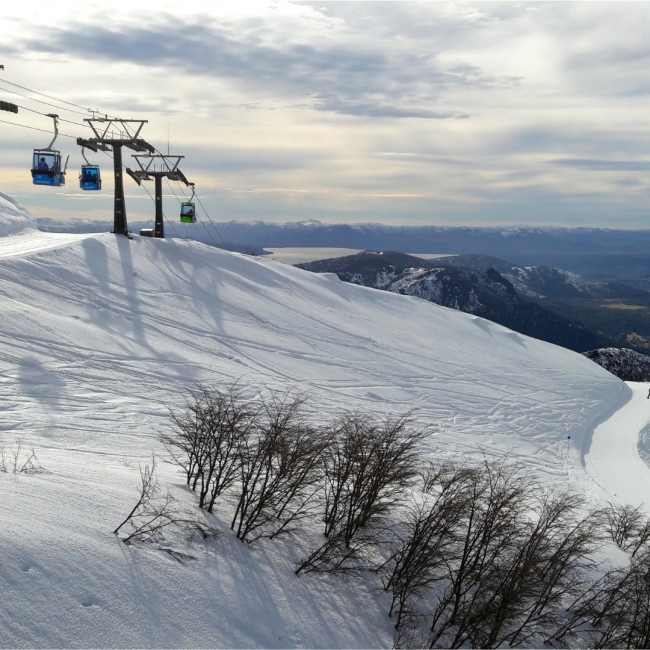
[537, 301]
[594, 253]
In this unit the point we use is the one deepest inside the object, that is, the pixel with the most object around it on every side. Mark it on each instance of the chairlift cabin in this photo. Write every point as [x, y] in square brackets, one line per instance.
[188, 209]
[46, 166]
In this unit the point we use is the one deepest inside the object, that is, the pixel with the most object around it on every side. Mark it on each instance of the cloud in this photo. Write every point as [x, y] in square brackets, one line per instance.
[590, 164]
[292, 110]
[343, 78]
[346, 106]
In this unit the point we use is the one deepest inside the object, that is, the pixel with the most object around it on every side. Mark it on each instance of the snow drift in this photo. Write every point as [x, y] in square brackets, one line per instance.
[99, 335]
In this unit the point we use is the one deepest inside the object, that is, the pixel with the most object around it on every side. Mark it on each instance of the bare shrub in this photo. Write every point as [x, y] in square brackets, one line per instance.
[152, 512]
[206, 439]
[497, 500]
[615, 611]
[488, 559]
[549, 567]
[17, 460]
[278, 469]
[628, 527]
[338, 555]
[368, 465]
[193, 528]
[427, 537]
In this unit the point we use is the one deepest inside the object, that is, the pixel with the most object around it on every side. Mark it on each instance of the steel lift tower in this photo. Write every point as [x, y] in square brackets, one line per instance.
[156, 167]
[116, 133]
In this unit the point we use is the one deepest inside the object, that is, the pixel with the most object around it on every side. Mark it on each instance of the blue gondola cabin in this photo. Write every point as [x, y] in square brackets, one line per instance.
[46, 168]
[90, 178]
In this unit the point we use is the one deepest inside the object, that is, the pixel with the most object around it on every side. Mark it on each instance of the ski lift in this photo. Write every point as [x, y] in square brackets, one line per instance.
[90, 177]
[188, 209]
[46, 167]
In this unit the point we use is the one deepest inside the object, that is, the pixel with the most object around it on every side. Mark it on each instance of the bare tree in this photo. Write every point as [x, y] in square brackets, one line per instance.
[428, 537]
[278, 469]
[368, 465]
[206, 438]
[615, 611]
[488, 558]
[152, 512]
[497, 501]
[628, 527]
[339, 555]
[526, 592]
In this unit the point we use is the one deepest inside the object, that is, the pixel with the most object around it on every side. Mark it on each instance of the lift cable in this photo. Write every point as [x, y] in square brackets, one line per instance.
[33, 128]
[63, 101]
[31, 99]
[61, 119]
[182, 189]
[56, 99]
[208, 216]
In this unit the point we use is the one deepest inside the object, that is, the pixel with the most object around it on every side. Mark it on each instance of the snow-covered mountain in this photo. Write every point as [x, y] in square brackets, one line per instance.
[485, 292]
[546, 282]
[100, 335]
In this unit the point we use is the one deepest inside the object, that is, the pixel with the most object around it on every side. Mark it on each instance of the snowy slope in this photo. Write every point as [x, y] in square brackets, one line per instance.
[99, 335]
[613, 459]
[13, 217]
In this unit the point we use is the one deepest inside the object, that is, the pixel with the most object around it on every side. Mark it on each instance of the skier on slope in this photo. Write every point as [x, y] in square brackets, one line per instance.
[648, 394]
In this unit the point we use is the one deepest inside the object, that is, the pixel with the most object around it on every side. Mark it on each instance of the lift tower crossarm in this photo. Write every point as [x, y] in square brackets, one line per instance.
[159, 162]
[118, 133]
[156, 168]
[119, 129]
[93, 146]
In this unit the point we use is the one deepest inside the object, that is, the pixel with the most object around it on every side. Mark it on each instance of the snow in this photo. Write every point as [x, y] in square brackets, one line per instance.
[32, 241]
[13, 217]
[99, 335]
[613, 459]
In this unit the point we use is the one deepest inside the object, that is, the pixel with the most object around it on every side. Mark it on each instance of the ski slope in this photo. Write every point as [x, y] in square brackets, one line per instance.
[613, 459]
[34, 241]
[100, 335]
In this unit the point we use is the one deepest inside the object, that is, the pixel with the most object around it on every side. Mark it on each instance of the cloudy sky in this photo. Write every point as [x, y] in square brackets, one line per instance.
[397, 112]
